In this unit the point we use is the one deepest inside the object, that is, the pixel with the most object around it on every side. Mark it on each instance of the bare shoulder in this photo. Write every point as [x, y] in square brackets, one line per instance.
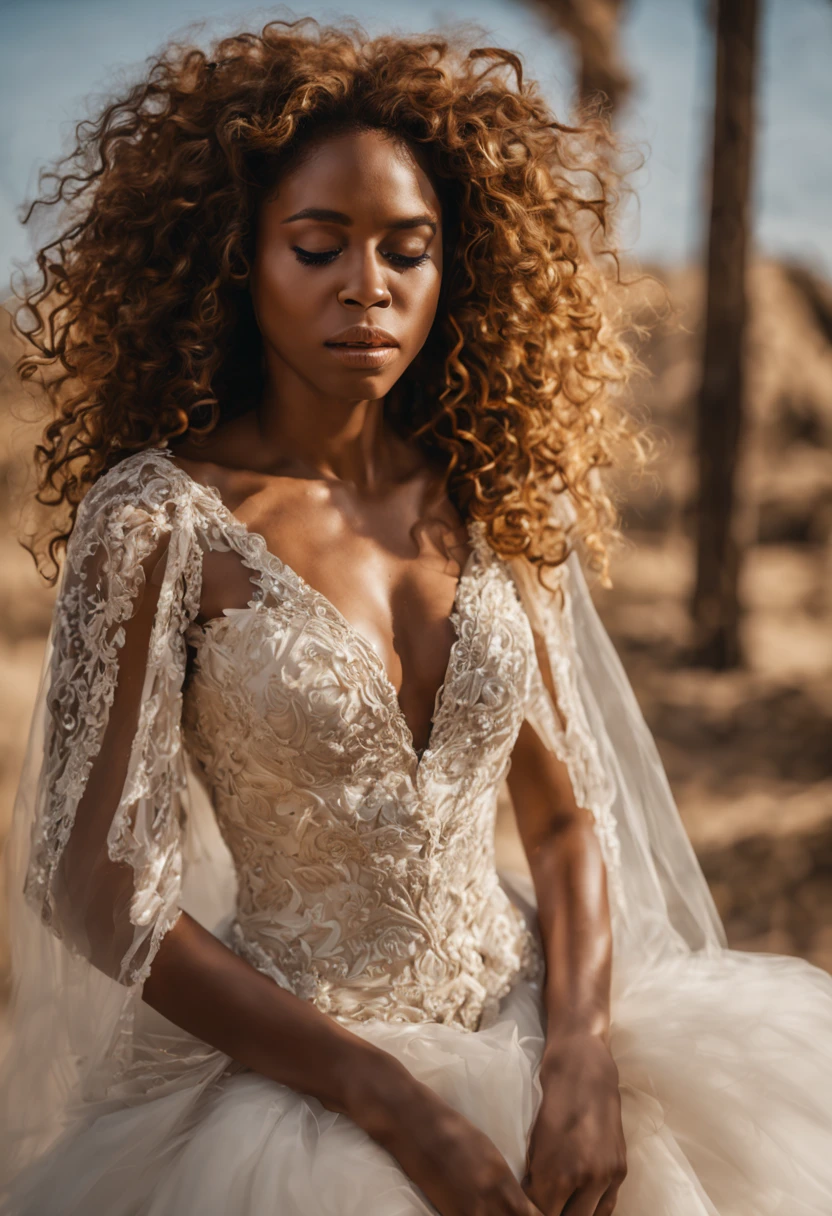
[216, 465]
[232, 459]
[204, 472]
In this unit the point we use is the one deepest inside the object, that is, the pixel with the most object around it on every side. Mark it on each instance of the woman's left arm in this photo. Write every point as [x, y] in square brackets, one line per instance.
[576, 1151]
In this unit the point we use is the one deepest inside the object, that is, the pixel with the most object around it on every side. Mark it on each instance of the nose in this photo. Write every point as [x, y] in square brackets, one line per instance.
[365, 286]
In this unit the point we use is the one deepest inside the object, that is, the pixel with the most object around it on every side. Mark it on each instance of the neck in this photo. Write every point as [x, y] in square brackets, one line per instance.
[324, 436]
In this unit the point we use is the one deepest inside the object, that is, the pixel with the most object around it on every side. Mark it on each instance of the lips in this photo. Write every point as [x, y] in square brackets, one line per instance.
[363, 347]
[362, 337]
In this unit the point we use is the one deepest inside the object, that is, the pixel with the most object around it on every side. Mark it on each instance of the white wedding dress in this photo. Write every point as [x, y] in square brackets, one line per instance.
[364, 880]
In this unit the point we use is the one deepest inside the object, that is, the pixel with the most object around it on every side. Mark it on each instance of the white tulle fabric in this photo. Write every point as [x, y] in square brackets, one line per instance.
[271, 787]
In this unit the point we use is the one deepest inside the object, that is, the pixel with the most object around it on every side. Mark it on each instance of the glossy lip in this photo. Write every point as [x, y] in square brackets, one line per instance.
[365, 335]
[373, 347]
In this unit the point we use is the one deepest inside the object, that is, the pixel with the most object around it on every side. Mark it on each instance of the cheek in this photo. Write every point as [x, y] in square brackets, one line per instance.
[421, 298]
[283, 292]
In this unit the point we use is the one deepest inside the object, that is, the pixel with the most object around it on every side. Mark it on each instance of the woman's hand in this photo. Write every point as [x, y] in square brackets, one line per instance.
[458, 1168]
[577, 1155]
[576, 1160]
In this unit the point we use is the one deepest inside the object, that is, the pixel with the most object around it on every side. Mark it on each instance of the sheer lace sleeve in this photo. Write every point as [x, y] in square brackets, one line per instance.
[555, 706]
[105, 867]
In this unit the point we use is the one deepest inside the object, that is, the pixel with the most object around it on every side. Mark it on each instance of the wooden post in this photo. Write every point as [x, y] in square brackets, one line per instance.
[593, 28]
[719, 411]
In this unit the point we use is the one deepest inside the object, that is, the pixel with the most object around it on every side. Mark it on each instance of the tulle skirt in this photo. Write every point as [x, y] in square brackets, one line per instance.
[725, 1068]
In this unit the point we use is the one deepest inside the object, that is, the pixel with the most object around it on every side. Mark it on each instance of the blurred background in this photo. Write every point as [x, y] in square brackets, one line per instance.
[722, 603]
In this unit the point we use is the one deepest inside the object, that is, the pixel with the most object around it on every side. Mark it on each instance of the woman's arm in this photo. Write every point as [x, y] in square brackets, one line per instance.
[200, 984]
[576, 1152]
[195, 980]
[569, 877]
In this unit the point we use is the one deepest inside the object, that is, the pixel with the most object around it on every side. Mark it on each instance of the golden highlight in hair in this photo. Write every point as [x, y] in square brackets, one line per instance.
[140, 326]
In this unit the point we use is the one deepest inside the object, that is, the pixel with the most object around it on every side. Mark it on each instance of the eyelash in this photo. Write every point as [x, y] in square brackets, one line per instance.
[400, 260]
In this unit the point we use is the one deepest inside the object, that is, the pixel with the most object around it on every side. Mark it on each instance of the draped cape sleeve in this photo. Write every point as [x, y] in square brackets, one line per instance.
[131, 560]
[95, 861]
[584, 709]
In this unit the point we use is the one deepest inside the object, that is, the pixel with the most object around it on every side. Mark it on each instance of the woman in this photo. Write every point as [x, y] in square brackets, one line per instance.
[334, 378]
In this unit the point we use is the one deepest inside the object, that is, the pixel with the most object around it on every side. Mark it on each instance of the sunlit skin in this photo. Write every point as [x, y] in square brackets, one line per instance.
[351, 237]
[328, 259]
[353, 509]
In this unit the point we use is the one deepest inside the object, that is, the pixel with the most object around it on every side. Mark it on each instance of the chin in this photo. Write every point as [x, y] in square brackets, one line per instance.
[364, 385]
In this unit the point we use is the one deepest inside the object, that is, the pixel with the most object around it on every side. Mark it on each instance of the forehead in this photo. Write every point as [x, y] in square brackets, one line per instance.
[363, 173]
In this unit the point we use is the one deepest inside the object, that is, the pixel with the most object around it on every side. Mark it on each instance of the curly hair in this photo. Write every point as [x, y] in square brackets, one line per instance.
[141, 329]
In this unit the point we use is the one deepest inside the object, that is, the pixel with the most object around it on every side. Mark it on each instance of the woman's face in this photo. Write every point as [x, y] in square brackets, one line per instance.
[349, 244]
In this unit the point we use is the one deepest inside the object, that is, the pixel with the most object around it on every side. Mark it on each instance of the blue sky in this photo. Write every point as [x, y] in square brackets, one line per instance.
[58, 55]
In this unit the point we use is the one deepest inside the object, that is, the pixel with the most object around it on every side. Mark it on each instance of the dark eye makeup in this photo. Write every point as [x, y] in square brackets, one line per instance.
[401, 260]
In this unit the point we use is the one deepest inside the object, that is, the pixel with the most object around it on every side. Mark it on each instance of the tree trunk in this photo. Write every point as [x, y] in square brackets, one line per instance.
[593, 27]
[719, 412]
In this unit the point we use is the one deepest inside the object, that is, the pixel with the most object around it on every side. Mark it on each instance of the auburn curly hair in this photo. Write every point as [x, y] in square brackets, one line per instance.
[140, 325]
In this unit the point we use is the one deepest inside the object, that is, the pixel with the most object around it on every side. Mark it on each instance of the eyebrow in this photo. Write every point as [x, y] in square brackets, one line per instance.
[324, 215]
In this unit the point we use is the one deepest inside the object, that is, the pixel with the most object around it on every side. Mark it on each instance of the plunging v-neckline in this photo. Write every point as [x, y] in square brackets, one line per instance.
[270, 559]
[363, 644]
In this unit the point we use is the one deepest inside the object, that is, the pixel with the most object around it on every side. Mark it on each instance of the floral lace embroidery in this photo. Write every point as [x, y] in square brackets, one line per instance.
[373, 889]
[129, 514]
[366, 873]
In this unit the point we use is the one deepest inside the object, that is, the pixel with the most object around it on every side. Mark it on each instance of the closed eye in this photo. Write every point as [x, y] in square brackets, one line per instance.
[401, 260]
[315, 259]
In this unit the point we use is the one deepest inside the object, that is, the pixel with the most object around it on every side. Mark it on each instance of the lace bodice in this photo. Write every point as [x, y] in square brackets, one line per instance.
[366, 875]
[366, 872]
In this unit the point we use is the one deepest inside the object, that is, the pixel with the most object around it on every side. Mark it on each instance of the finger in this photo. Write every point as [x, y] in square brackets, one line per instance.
[553, 1202]
[524, 1206]
[585, 1201]
[557, 1205]
[607, 1205]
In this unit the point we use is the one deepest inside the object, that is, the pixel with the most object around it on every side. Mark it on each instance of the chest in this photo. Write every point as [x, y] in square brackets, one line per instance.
[394, 585]
[290, 671]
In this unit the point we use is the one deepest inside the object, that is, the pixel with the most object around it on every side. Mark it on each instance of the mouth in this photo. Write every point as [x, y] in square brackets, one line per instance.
[362, 337]
[363, 347]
